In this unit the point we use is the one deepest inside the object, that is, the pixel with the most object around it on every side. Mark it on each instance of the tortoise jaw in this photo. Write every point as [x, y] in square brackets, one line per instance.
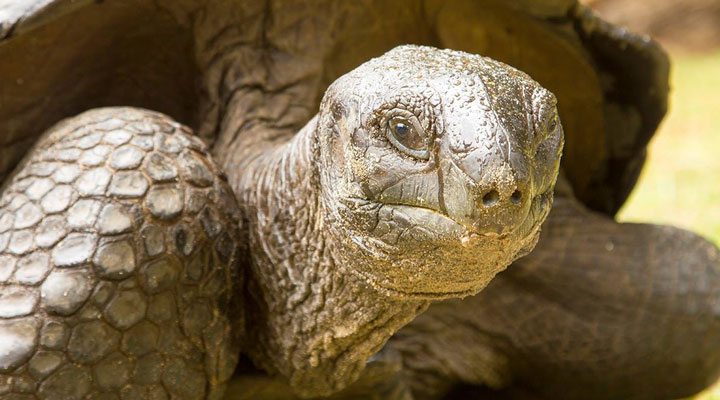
[441, 226]
[413, 252]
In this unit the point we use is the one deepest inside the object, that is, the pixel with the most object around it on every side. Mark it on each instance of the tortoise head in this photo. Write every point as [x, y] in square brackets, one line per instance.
[436, 169]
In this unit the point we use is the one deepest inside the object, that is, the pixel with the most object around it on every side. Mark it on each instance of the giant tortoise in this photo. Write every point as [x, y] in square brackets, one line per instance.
[200, 195]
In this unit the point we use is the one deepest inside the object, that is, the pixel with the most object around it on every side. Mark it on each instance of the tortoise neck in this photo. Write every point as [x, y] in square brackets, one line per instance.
[309, 319]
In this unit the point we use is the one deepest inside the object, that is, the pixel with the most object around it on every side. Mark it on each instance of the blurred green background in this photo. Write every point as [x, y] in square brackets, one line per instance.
[680, 184]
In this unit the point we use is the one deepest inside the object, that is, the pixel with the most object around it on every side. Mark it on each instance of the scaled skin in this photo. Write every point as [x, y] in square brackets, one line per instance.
[119, 248]
[351, 235]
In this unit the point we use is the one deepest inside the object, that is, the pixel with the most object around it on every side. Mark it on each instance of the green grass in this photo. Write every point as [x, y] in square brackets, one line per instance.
[680, 184]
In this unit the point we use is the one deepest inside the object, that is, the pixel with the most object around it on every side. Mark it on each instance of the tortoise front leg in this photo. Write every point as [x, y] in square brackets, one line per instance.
[118, 242]
[598, 310]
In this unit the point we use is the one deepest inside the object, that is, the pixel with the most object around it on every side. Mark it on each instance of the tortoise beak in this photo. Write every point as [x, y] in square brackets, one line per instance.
[487, 178]
[496, 202]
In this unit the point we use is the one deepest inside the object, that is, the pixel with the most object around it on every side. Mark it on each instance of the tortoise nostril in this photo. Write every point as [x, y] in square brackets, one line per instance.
[516, 197]
[491, 198]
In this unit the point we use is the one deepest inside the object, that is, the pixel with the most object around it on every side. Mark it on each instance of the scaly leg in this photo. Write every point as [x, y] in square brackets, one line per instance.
[118, 247]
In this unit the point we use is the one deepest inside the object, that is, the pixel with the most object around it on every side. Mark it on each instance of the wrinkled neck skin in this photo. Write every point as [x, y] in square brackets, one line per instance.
[310, 319]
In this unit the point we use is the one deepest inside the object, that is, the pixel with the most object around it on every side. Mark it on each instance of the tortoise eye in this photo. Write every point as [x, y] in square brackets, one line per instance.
[553, 124]
[406, 136]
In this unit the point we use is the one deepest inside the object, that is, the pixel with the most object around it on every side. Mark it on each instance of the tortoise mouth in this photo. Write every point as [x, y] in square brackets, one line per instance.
[456, 275]
[421, 295]
[441, 225]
